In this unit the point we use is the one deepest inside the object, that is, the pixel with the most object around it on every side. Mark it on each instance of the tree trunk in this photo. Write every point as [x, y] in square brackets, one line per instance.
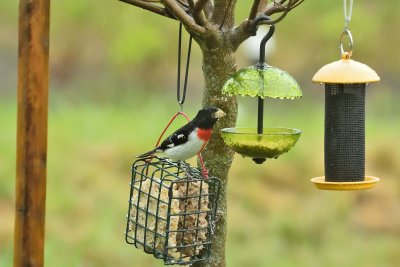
[219, 63]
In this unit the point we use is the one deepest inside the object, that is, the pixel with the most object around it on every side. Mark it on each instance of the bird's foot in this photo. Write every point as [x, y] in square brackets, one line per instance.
[205, 173]
[185, 168]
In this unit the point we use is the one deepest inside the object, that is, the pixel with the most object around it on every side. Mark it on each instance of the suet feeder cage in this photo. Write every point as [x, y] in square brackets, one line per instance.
[344, 139]
[172, 210]
[261, 81]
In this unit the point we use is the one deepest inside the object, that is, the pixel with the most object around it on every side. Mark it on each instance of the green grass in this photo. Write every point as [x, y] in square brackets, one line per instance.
[276, 217]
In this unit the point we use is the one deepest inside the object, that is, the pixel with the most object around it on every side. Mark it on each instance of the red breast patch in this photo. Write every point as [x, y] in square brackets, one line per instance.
[204, 134]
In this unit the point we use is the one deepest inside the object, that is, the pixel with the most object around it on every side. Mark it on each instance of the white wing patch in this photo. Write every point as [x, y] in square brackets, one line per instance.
[187, 150]
[181, 136]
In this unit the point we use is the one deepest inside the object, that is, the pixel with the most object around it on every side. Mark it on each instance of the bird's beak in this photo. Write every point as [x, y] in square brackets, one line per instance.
[219, 114]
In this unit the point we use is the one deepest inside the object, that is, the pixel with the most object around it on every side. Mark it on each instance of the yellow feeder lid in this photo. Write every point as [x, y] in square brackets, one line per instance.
[368, 183]
[345, 71]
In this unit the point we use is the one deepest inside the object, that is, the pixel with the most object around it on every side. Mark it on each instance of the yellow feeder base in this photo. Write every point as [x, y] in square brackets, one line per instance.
[369, 182]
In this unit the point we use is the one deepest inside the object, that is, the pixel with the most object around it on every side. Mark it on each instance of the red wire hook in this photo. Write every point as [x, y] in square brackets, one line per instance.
[204, 171]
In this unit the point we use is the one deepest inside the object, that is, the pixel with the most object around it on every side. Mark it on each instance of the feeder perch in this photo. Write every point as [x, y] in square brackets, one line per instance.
[345, 82]
[261, 80]
[171, 211]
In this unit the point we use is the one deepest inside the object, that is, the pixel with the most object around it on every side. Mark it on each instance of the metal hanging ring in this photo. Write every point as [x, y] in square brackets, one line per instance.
[256, 23]
[342, 52]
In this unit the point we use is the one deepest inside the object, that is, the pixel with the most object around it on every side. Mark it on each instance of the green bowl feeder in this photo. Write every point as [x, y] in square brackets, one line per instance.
[270, 144]
[261, 81]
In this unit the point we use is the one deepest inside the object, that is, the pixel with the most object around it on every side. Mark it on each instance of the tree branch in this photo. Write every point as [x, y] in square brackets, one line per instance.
[182, 16]
[296, 4]
[150, 7]
[208, 9]
[279, 6]
[197, 13]
[254, 9]
[223, 13]
[199, 6]
[285, 10]
[184, 3]
[191, 4]
[245, 29]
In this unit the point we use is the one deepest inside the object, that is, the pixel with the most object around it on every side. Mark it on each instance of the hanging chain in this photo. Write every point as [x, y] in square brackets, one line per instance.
[181, 99]
[348, 10]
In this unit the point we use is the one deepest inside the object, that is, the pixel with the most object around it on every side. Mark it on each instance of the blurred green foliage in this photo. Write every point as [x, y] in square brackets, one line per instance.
[113, 89]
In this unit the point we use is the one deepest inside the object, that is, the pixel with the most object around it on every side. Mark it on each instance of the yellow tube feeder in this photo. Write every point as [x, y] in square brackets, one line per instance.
[344, 138]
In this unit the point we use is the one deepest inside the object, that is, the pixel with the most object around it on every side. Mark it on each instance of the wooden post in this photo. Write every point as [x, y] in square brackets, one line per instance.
[33, 55]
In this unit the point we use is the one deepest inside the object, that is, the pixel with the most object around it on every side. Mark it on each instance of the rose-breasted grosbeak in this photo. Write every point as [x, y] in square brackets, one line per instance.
[190, 139]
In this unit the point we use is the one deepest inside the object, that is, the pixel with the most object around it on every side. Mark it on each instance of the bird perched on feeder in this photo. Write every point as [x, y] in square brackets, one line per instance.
[190, 139]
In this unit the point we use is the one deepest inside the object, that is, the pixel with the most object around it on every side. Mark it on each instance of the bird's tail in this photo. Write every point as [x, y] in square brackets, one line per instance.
[147, 154]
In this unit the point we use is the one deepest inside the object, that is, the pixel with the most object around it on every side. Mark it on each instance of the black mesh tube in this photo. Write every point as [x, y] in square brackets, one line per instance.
[344, 132]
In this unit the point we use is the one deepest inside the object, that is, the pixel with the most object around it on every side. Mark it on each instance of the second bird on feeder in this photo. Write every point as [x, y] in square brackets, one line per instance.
[189, 140]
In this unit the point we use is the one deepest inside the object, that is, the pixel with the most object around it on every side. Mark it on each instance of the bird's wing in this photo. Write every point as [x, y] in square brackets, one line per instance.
[179, 137]
[144, 155]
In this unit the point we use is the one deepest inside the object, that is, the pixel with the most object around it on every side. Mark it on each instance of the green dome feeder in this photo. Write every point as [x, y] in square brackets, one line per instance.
[261, 81]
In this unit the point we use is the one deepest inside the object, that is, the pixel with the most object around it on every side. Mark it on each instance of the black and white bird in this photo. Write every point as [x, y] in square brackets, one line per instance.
[190, 139]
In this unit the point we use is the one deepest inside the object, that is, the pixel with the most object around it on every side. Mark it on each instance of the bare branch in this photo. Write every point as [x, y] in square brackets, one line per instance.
[200, 4]
[208, 9]
[148, 5]
[275, 7]
[191, 4]
[254, 9]
[246, 28]
[197, 11]
[198, 17]
[262, 6]
[282, 16]
[183, 3]
[294, 5]
[242, 32]
[278, 6]
[182, 16]
[223, 13]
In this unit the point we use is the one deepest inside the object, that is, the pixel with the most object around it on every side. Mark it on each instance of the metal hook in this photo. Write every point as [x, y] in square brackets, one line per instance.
[181, 99]
[266, 37]
[264, 42]
[256, 21]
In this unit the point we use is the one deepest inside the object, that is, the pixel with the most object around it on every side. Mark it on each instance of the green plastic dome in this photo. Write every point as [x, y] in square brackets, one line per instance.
[263, 81]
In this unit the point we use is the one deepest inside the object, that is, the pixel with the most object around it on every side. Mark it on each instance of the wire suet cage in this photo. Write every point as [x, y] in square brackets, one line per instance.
[172, 210]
